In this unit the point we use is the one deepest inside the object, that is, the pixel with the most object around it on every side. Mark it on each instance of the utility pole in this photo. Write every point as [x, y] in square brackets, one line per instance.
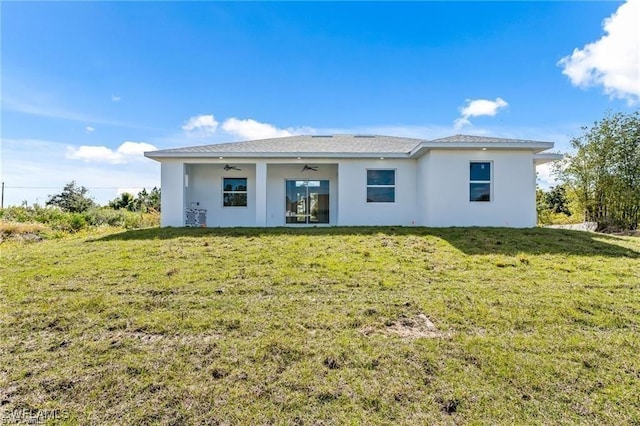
[2, 199]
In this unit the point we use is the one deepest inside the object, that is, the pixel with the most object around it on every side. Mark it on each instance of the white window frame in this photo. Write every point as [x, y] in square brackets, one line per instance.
[246, 192]
[490, 181]
[395, 176]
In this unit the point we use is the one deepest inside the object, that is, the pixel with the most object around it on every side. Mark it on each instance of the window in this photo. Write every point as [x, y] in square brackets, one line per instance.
[381, 186]
[234, 192]
[480, 181]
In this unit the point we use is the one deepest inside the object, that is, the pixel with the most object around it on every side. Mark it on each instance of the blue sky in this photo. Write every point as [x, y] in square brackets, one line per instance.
[87, 87]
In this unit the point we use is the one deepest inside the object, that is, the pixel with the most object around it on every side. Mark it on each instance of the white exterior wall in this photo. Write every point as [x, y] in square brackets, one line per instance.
[205, 188]
[172, 200]
[352, 193]
[432, 190]
[513, 194]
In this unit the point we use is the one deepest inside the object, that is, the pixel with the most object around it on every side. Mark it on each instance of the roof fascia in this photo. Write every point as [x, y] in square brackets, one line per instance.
[535, 147]
[419, 150]
[539, 159]
[157, 155]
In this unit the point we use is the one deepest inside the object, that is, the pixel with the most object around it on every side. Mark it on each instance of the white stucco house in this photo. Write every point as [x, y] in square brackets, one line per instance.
[346, 180]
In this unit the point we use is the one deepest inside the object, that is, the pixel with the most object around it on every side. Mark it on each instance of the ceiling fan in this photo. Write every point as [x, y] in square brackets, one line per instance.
[308, 167]
[228, 167]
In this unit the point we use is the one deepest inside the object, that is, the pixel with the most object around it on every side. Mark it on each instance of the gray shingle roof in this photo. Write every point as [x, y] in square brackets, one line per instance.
[342, 145]
[302, 144]
[480, 139]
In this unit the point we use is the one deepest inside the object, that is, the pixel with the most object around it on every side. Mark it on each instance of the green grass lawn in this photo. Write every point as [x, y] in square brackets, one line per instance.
[322, 326]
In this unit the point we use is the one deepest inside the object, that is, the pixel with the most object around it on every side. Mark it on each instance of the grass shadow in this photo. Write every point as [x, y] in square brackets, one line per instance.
[471, 240]
[510, 241]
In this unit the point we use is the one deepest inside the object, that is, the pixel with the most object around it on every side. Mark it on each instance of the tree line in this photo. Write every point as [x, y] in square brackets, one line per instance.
[602, 174]
[75, 199]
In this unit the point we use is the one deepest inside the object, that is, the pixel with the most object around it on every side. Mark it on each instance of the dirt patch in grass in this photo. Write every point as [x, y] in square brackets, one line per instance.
[142, 337]
[419, 326]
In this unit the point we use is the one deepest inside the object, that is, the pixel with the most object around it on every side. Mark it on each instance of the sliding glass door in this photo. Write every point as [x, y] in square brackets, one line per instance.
[307, 201]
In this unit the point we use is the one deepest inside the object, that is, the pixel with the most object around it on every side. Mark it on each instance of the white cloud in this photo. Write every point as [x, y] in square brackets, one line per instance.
[252, 129]
[228, 130]
[89, 129]
[546, 178]
[201, 125]
[115, 98]
[477, 108]
[94, 153]
[102, 154]
[613, 61]
[35, 169]
[135, 148]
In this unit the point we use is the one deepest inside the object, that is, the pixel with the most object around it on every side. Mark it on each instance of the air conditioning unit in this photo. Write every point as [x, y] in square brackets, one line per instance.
[196, 217]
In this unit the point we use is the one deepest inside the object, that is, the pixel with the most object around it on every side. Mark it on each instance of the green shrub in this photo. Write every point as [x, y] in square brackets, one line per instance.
[122, 218]
[18, 214]
[59, 220]
[49, 216]
[132, 220]
[150, 219]
[77, 222]
[105, 217]
[548, 217]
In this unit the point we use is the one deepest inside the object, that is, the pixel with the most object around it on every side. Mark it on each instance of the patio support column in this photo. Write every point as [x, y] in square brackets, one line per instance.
[261, 193]
[339, 191]
[172, 201]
